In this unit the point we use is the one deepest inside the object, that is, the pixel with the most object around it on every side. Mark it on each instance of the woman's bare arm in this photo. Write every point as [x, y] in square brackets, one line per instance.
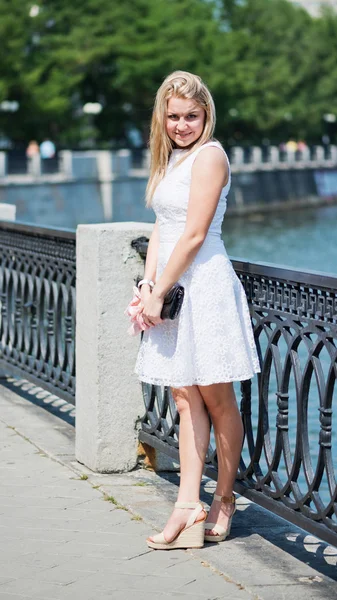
[151, 261]
[209, 174]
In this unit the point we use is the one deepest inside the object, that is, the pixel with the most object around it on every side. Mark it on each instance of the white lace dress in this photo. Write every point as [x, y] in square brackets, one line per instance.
[212, 339]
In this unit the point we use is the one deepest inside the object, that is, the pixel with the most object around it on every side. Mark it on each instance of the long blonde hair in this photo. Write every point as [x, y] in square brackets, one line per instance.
[179, 84]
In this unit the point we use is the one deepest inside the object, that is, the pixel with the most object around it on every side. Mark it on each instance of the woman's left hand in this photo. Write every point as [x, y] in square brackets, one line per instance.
[152, 309]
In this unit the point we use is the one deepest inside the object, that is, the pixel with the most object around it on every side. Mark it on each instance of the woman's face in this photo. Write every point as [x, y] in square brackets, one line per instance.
[185, 121]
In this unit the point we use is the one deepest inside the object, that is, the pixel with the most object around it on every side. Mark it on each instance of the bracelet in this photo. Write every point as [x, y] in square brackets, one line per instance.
[147, 281]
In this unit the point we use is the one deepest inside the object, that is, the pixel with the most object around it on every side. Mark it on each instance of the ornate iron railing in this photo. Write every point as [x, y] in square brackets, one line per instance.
[37, 322]
[287, 463]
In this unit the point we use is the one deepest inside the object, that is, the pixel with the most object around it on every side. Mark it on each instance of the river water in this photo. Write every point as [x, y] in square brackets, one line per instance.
[305, 239]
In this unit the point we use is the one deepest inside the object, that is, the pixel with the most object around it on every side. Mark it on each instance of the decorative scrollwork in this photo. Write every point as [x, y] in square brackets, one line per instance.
[287, 462]
[37, 319]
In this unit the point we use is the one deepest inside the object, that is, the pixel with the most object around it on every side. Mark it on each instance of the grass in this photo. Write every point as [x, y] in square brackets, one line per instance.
[141, 484]
[115, 502]
[83, 477]
[136, 518]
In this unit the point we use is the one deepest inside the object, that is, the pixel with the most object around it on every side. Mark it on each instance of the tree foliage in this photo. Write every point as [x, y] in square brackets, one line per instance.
[270, 66]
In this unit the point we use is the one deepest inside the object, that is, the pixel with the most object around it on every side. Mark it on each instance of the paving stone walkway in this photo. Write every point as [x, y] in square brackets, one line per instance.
[60, 539]
[66, 532]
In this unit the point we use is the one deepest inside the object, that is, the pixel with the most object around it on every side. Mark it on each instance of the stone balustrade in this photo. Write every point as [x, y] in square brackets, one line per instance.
[107, 165]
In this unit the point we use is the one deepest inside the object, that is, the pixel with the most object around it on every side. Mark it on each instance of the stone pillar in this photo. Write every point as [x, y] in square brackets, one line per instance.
[291, 157]
[274, 155]
[108, 394]
[34, 165]
[319, 155]
[7, 211]
[66, 162]
[256, 156]
[333, 154]
[304, 155]
[3, 164]
[237, 156]
[104, 168]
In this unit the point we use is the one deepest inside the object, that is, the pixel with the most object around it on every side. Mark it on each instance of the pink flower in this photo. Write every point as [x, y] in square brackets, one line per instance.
[134, 311]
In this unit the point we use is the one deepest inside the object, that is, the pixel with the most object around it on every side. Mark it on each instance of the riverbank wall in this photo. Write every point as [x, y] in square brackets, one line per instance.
[104, 186]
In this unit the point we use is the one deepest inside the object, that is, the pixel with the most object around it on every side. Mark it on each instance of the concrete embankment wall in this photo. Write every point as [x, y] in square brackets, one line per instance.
[102, 187]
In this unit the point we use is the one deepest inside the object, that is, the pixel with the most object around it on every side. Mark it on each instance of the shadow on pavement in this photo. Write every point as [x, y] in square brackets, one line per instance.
[40, 397]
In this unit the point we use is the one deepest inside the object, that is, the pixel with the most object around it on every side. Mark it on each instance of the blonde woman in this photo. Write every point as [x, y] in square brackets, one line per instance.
[211, 343]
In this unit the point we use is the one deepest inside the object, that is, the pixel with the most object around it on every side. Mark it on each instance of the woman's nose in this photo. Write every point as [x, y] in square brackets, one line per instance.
[181, 124]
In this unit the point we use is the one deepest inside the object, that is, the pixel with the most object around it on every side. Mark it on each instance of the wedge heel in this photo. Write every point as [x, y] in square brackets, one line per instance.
[192, 536]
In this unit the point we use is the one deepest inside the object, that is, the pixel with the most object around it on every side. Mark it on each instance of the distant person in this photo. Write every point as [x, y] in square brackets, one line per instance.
[47, 149]
[302, 149]
[291, 145]
[211, 343]
[302, 146]
[32, 149]
[135, 138]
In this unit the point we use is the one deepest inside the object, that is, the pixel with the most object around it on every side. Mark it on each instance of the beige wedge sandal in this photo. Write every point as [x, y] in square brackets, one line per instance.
[192, 536]
[221, 532]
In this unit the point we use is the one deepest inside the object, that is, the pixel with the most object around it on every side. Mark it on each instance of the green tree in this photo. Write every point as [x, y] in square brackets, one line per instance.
[270, 66]
[279, 71]
[115, 53]
[16, 41]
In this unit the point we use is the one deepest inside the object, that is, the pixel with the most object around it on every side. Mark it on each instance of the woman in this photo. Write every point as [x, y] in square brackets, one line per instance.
[211, 343]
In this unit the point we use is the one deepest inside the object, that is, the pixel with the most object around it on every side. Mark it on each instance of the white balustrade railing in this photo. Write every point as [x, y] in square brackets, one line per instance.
[118, 164]
[275, 158]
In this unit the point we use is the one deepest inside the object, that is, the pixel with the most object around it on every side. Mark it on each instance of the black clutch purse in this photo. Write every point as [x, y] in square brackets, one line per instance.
[173, 302]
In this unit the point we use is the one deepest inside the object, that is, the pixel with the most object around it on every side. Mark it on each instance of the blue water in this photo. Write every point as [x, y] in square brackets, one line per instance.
[305, 239]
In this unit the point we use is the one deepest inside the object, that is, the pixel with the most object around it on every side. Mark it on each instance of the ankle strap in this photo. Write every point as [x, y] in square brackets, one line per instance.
[198, 508]
[187, 504]
[225, 499]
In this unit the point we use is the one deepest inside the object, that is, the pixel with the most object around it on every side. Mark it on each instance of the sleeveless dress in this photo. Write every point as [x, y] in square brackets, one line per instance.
[212, 339]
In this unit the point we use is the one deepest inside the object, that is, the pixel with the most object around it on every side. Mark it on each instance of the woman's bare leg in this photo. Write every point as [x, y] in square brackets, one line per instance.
[194, 433]
[221, 404]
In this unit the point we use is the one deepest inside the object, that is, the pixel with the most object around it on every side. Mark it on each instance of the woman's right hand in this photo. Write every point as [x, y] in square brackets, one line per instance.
[145, 293]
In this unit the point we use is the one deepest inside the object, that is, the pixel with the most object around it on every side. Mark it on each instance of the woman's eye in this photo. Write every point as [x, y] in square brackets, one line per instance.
[175, 117]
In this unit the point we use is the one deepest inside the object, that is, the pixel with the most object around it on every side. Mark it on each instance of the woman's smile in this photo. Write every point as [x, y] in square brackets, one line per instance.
[184, 134]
